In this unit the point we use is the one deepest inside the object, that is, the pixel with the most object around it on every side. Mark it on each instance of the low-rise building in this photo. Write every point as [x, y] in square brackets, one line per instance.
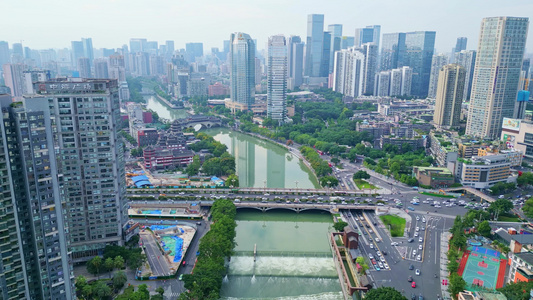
[482, 172]
[481, 295]
[258, 108]
[434, 177]
[146, 136]
[415, 143]
[521, 267]
[518, 134]
[442, 149]
[158, 157]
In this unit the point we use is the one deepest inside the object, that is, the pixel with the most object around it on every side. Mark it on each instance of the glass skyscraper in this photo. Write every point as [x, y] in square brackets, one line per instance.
[242, 53]
[419, 48]
[277, 78]
[369, 34]
[314, 45]
[501, 46]
[336, 36]
[392, 50]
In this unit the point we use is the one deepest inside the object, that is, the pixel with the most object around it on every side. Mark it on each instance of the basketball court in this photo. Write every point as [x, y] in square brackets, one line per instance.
[482, 267]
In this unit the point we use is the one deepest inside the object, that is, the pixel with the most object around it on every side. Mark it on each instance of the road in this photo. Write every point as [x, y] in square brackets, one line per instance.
[157, 261]
[399, 258]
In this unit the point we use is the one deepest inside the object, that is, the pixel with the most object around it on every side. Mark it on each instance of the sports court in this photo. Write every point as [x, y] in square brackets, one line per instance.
[482, 267]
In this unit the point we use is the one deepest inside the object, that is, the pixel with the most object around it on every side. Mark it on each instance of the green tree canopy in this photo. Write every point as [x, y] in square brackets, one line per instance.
[525, 179]
[528, 208]
[339, 226]
[500, 206]
[483, 228]
[384, 293]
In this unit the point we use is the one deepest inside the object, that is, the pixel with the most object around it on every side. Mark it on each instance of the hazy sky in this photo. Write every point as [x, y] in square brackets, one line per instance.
[111, 23]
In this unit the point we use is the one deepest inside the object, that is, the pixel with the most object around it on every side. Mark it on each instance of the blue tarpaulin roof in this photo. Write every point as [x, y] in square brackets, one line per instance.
[140, 181]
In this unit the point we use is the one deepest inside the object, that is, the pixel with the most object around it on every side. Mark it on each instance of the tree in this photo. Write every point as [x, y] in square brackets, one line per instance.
[528, 208]
[101, 290]
[193, 168]
[94, 265]
[87, 291]
[361, 174]
[500, 206]
[109, 264]
[525, 179]
[333, 181]
[136, 259]
[484, 229]
[517, 290]
[119, 279]
[118, 263]
[233, 180]
[361, 261]
[453, 266]
[81, 282]
[160, 291]
[456, 284]
[339, 226]
[395, 167]
[384, 293]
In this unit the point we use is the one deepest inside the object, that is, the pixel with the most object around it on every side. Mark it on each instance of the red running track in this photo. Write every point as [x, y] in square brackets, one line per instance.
[501, 274]
[462, 264]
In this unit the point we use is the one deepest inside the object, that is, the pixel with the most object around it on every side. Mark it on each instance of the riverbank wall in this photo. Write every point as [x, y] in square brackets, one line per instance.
[168, 103]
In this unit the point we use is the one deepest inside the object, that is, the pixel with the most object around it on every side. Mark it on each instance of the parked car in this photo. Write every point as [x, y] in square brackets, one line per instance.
[410, 278]
[417, 272]
[411, 267]
[413, 284]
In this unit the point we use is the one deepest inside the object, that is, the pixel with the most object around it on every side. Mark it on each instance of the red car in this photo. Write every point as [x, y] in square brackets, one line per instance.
[413, 284]
[373, 261]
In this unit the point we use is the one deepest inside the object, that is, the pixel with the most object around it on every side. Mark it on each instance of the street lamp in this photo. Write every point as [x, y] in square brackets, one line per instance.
[296, 184]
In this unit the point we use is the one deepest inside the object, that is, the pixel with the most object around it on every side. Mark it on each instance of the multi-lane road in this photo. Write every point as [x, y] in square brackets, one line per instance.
[399, 254]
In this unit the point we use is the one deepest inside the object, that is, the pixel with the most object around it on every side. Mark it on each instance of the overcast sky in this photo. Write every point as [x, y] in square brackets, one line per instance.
[111, 23]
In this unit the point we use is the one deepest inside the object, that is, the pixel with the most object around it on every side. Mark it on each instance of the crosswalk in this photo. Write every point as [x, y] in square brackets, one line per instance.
[171, 295]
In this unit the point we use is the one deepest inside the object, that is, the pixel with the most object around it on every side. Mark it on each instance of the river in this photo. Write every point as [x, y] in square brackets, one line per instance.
[294, 259]
[261, 163]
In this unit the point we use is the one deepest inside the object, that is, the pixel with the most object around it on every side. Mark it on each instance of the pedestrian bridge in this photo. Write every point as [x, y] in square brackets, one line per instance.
[473, 191]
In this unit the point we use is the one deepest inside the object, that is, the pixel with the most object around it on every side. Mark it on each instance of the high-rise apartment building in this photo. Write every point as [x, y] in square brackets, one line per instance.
[295, 61]
[76, 52]
[326, 50]
[499, 58]
[84, 67]
[88, 49]
[382, 83]
[336, 36]
[392, 51]
[117, 68]
[438, 61]
[395, 82]
[101, 69]
[138, 45]
[242, 54]
[277, 78]
[4, 53]
[14, 78]
[348, 72]
[89, 162]
[419, 47]
[369, 34]
[314, 45]
[449, 96]
[33, 171]
[370, 50]
[407, 80]
[467, 59]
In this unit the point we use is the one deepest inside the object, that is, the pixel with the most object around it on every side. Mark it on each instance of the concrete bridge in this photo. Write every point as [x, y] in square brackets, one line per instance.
[469, 190]
[190, 122]
[262, 206]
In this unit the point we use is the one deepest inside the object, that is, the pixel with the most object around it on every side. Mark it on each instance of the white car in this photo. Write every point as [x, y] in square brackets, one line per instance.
[420, 239]
[423, 220]
[417, 228]
[419, 247]
[417, 272]
[417, 218]
[394, 244]
[416, 234]
[382, 258]
[380, 264]
[371, 246]
[370, 256]
[386, 265]
[419, 257]
[414, 251]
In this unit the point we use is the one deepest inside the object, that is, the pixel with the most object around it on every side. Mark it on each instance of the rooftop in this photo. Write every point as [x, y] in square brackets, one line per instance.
[524, 239]
[526, 256]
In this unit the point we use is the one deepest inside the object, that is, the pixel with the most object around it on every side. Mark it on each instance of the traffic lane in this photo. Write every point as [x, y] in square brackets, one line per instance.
[158, 265]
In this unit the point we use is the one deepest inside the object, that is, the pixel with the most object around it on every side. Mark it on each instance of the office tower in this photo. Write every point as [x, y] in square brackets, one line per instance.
[142, 64]
[348, 72]
[382, 83]
[226, 48]
[27, 52]
[369, 34]
[295, 61]
[84, 67]
[449, 97]
[419, 47]
[37, 198]
[157, 65]
[101, 69]
[347, 42]
[18, 53]
[461, 44]
[336, 35]
[31, 77]
[4, 53]
[88, 49]
[242, 56]
[438, 61]
[76, 52]
[314, 45]
[499, 57]
[277, 78]
[137, 45]
[522, 100]
[392, 50]
[370, 50]
[170, 47]
[151, 47]
[194, 50]
[467, 59]
[407, 79]
[14, 78]
[324, 63]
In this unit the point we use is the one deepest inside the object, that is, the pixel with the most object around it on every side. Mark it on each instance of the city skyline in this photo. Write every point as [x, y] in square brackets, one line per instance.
[260, 20]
